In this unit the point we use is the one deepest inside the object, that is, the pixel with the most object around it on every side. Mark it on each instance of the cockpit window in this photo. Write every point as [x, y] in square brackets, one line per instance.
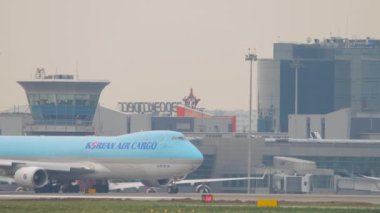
[178, 138]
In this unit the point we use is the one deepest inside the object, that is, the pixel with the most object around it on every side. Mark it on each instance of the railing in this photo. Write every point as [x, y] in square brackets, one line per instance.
[58, 122]
[236, 135]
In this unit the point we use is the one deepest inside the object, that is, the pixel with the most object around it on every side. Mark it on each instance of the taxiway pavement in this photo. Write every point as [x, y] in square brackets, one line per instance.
[301, 198]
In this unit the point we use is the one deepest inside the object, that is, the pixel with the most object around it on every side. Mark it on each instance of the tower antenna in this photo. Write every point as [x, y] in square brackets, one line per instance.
[77, 70]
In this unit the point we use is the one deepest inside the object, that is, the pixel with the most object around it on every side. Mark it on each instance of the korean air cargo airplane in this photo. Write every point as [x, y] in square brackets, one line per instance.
[54, 163]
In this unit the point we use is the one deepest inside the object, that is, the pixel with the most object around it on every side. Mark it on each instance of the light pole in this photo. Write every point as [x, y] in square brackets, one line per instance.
[296, 65]
[250, 57]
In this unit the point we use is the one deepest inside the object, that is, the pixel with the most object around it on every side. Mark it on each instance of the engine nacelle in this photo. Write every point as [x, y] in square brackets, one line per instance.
[32, 177]
[156, 183]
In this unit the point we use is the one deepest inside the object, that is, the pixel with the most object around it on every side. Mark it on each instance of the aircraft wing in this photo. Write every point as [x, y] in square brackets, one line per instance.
[7, 180]
[209, 180]
[372, 178]
[137, 185]
[67, 167]
[124, 185]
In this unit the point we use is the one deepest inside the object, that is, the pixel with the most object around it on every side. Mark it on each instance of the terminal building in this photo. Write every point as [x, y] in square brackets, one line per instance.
[334, 75]
[327, 166]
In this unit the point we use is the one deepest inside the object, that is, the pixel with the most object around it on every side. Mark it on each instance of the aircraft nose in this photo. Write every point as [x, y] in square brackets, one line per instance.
[196, 160]
[198, 157]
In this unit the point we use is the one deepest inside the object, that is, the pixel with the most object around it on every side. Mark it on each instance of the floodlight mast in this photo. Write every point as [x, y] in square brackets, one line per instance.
[296, 64]
[250, 57]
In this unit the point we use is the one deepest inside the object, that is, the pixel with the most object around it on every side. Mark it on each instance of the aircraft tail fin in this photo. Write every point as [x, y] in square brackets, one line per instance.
[315, 135]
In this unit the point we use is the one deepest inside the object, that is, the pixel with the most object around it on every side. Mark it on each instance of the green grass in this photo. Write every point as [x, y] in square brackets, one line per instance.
[108, 206]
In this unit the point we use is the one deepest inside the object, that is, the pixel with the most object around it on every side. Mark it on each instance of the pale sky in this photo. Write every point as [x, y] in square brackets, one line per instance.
[156, 50]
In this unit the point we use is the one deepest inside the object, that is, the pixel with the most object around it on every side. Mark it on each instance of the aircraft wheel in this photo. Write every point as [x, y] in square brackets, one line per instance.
[48, 188]
[20, 189]
[150, 190]
[173, 189]
[203, 188]
[65, 188]
[56, 188]
[102, 186]
[75, 189]
[38, 190]
[70, 188]
[206, 190]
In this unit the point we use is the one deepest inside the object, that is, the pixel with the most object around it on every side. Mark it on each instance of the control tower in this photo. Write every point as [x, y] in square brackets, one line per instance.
[61, 105]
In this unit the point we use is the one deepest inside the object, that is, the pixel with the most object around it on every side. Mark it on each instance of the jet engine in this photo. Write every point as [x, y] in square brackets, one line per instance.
[156, 183]
[32, 177]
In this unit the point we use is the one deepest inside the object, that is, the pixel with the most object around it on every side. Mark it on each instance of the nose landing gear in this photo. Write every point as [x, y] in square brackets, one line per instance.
[173, 189]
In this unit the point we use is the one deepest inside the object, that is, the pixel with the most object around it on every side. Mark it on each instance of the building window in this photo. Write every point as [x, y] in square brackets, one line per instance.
[229, 127]
[183, 126]
[322, 181]
[0, 132]
[307, 127]
[65, 99]
[202, 128]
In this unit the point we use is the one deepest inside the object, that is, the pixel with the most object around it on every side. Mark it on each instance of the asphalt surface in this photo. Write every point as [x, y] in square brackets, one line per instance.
[301, 198]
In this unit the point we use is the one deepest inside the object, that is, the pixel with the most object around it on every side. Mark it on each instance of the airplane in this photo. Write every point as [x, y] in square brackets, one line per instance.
[56, 163]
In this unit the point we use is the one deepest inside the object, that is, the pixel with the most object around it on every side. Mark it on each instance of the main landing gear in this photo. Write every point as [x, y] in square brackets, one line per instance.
[101, 186]
[70, 188]
[203, 188]
[56, 187]
[49, 188]
[173, 189]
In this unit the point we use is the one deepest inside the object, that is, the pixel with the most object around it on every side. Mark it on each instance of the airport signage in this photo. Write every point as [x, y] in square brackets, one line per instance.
[148, 107]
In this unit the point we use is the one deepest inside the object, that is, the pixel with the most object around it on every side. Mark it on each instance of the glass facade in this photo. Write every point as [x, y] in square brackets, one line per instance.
[370, 89]
[315, 89]
[60, 100]
[63, 109]
[332, 76]
[342, 84]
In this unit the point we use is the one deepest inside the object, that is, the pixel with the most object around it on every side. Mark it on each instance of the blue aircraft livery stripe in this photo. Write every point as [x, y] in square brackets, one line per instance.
[151, 144]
